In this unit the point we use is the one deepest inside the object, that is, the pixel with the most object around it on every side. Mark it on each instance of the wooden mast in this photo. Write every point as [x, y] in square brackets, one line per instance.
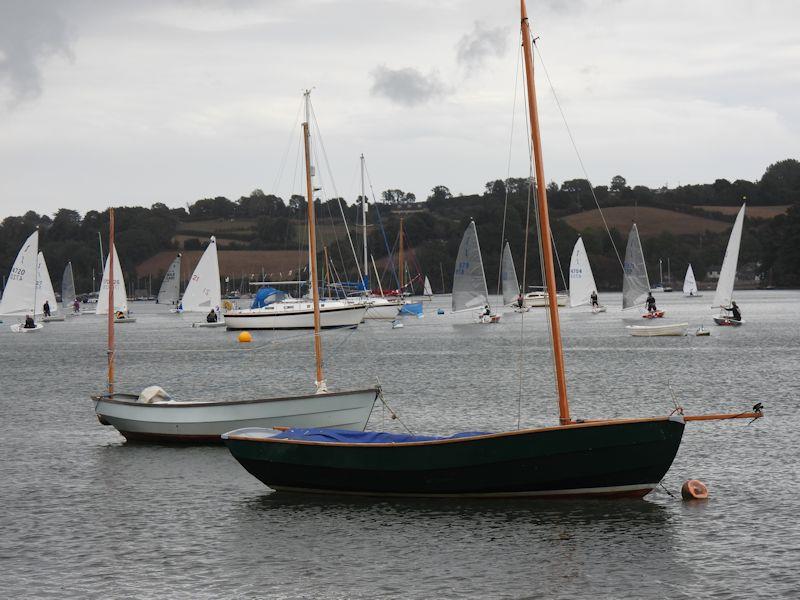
[312, 250]
[544, 224]
[111, 282]
[400, 259]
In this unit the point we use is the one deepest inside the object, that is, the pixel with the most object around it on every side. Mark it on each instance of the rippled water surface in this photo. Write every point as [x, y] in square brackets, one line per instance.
[85, 514]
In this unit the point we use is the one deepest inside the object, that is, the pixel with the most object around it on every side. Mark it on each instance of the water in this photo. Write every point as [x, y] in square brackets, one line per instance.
[87, 515]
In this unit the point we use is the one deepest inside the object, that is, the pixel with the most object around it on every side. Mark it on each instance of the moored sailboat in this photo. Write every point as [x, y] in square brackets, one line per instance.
[723, 297]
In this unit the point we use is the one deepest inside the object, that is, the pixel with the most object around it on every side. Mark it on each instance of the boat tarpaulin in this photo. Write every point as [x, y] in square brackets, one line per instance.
[364, 437]
[412, 308]
[266, 296]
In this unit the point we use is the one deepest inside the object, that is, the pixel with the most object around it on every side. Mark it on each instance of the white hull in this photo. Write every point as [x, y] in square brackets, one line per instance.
[207, 421]
[539, 299]
[18, 328]
[209, 325]
[297, 315]
[383, 308]
[53, 318]
[598, 309]
[125, 320]
[657, 330]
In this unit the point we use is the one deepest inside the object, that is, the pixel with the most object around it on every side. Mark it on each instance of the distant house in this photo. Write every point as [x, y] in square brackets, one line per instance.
[746, 272]
[713, 273]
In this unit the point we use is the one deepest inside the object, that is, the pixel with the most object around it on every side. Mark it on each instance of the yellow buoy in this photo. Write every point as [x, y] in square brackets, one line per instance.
[693, 489]
[245, 337]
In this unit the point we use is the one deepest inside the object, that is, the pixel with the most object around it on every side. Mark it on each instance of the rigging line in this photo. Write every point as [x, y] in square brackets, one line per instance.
[575, 148]
[508, 166]
[558, 260]
[336, 192]
[380, 224]
[289, 144]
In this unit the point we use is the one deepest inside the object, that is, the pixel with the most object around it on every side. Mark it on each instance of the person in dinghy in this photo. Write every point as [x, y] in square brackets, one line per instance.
[593, 297]
[46, 308]
[211, 317]
[29, 323]
[736, 314]
[651, 303]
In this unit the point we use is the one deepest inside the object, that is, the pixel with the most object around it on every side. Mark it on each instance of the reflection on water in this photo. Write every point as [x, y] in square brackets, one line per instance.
[87, 515]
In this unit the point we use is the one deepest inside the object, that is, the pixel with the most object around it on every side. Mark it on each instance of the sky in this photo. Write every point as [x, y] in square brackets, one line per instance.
[134, 102]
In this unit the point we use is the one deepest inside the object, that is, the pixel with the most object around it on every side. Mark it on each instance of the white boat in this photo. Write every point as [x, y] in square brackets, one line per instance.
[19, 296]
[427, 291]
[723, 297]
[581, 279]
[538, 298]
[120, 295]
[657, 330]
[204, 292]
[68, 292]
[509, 284]
[299, 314]
[20, 328]
[689, 283]
[383, 307]
[469, 280]
[209, 324]
[170, 291]
[169, 421]
[46, 293]
[635, 282]
[151, 416]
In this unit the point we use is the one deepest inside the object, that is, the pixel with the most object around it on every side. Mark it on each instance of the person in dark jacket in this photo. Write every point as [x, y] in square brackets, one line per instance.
[29, 323]
[736, 314]
[651, 303]
[211, 317]
[46, 308]
[595, 303]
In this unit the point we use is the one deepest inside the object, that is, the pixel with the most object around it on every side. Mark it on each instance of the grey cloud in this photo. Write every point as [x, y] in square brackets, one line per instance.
[478, 45]
[30, 32]
[407, 86]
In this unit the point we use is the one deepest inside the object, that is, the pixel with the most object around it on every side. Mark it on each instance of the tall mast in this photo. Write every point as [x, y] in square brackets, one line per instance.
[400, 258]
[364, 219]
[111, 283]
[377, 276]
[312, 250]
[544, 224]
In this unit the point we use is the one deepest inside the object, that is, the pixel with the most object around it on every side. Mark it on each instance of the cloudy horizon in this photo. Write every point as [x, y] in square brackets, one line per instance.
[133, 103]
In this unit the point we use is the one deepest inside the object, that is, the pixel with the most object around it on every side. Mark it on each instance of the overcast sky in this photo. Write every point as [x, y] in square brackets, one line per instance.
[132, 102]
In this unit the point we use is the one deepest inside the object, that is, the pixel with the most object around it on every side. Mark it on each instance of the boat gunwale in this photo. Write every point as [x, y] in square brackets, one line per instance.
[199, 404]
[502, 434]
[250, 313]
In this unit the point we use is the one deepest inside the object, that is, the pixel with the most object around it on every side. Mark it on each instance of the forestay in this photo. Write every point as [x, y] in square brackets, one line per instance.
[635, 283]
[581, 279]
[689, 283]
[18, 296]
[170, 290]
[120, 294]
[204, 292]
[44, 285]
[508, 276]
[67, 288]
[727, 274]
[469, 280]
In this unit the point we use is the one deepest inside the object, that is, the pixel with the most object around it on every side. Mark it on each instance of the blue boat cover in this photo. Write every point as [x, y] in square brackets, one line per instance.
[266, 296]
[364, 437]
[412, 308]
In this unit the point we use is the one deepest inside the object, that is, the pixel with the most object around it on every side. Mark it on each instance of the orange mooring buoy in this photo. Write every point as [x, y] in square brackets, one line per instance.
[245, 337]
[694, 489]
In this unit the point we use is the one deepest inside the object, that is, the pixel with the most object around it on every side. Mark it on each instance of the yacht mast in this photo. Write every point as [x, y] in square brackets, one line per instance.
[544, 225]
[111, 311]
[364, 219]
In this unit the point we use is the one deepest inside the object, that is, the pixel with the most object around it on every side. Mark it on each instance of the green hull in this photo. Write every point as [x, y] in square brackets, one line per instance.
[623, 458]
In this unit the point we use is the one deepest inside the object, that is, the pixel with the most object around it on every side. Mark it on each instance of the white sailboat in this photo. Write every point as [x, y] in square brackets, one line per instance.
[68, 292]
[152, 416]
[426, 289]
[46, 293]
[20, 294]
[581, 279]
[635, 282]
[509, 282]
[170, 291]
[120, 294]
[469, 280]
[690, 284]
[723, 297]
[203, 293]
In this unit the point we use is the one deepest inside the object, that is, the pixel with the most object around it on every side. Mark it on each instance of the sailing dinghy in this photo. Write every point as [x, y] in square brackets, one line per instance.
[46, 293]
[68, 295]
[469, 280]
[170, 290]
[119, 307]
[635, 282]
[581, 279]
[723, 297]
[20, 295]
[690, 284]
[512, 295]
[153, 416]
[427, 291]
[204, 291]
[619, 457]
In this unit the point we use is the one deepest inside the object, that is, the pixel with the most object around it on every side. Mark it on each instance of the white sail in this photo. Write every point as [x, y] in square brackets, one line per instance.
[19, 295]
[170, 290]
[508, 278]
[426, 288]
[581, 279]
[67, 288]
[44, 288]
[120, 295]
[727, 274]
[635, 283]
[204, 292]
[689, 283]
[469, 280]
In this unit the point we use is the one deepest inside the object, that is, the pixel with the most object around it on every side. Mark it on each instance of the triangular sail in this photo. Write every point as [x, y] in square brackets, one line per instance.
[44, 285]
[204, 292]
[581, 279]
[67, 288]
[19, 294]
[689, 283]
[469, 280]
[426, 288]
[727, 274]
[170, 290]
[120, 295]
[635, 283]
[508, 277]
